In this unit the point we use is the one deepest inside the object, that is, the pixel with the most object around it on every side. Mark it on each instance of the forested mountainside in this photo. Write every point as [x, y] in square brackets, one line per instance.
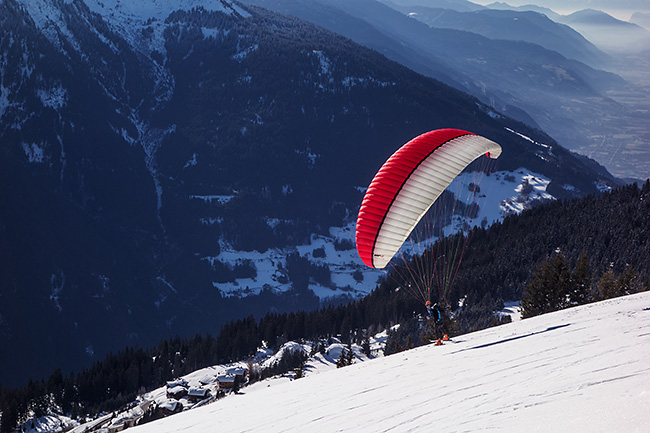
[143, 156]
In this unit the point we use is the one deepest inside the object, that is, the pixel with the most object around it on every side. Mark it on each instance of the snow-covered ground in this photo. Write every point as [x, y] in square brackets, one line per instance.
[585, 369]
[511, 309]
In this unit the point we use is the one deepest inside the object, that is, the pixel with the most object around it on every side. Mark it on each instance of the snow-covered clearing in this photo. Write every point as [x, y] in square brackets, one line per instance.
[585, 369]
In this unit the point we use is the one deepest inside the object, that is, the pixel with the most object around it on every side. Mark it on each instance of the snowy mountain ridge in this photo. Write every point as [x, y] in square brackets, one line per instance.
[582, 369]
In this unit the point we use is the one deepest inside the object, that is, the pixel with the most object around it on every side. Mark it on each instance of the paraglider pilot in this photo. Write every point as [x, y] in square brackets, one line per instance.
[439, 317]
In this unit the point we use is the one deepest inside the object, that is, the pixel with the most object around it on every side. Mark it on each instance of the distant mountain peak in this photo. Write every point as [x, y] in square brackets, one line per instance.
[594, 16]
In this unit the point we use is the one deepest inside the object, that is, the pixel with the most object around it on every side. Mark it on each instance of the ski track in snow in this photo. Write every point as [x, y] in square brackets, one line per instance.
[586, 369]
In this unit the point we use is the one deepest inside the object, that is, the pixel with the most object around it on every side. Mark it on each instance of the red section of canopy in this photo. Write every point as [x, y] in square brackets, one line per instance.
[389, 181]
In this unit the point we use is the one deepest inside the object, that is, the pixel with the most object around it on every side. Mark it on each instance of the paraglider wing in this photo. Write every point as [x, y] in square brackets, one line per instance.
[408, 184]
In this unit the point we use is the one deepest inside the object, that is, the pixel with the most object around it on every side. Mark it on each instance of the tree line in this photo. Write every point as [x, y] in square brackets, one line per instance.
[554, 286]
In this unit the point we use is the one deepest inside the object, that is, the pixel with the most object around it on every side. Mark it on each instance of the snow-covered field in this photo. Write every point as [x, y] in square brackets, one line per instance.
[585, 369]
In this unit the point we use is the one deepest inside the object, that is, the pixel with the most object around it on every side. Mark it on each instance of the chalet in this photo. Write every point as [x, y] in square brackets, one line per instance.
[176, 392]
[197, 394]
[238, 372]
[170, 407]
[226, 381]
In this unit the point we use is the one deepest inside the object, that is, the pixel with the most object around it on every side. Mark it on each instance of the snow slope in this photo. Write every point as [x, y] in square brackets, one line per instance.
[585, 369]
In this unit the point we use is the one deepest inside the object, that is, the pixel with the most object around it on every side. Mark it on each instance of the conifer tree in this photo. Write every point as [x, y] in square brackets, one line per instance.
[534, 299]
[349, 358]
[549, 290]
[299, 371]
[580, 293]
[561, 282]
[607, 286]
[365, 345]
[314, 349]
[341, 361]
[628, 282]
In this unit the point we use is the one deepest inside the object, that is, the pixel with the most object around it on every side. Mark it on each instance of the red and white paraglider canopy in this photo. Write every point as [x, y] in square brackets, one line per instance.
[408, 184]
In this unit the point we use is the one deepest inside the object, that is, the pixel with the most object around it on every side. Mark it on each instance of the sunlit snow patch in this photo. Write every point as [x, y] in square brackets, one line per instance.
[349, 277]
[512, 310]
[531, 190]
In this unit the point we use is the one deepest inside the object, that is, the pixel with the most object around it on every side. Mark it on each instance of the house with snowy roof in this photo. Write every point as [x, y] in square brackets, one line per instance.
[176, 392]
[170, 407]
[197, 394]
[239, 372]
[226, 381]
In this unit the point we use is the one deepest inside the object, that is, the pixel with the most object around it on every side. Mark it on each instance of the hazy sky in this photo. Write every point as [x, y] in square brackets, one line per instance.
[621, 9]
